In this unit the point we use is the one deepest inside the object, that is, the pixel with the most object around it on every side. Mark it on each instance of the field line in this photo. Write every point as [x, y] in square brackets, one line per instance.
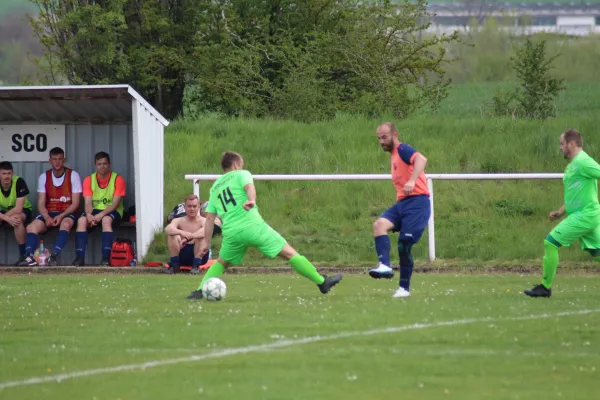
[274, 346]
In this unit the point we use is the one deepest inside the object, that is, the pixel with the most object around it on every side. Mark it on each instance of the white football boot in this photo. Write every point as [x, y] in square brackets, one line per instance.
[382, 271]
[400, 292]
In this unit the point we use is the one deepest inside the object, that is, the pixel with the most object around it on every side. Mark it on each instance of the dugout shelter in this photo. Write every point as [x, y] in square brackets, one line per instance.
[84, 120]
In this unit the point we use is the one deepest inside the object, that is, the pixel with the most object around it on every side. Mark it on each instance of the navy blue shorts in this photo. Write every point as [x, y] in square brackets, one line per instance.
[54, 214]
[409, 216]
[186, 256]
[114, 215]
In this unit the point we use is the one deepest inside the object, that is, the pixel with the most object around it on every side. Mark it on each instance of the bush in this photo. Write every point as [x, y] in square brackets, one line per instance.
[537, 92]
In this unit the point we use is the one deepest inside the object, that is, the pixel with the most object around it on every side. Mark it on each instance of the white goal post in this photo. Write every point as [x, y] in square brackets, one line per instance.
[196, 179]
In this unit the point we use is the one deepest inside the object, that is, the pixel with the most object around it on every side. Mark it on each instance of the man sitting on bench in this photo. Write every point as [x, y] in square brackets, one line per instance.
[15, 209]
[184, 237]
[102, 194]
[59, 192]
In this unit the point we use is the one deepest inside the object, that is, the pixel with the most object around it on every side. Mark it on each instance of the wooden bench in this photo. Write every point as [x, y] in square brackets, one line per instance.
[9, 252]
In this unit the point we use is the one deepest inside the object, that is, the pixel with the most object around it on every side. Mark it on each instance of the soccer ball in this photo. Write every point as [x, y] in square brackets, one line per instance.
[214, 289]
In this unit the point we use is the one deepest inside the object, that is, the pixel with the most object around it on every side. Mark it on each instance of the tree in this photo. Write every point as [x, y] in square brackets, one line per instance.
[18, 48]
[307, 59]
[536, 94]
[145, 43]
[301, 59]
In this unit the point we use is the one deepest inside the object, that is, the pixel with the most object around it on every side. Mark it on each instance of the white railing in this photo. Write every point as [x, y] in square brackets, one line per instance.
[378, 177]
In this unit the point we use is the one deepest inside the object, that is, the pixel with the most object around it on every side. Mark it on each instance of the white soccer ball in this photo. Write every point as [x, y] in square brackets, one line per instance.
[214, 289]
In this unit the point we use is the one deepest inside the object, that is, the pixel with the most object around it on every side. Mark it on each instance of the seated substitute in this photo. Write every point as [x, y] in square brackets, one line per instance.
[59, 193]
[179, 211]
[184, 237]
[103, 192]
[15, 208]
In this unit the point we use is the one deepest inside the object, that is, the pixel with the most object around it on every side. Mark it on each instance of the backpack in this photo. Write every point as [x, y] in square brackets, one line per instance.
[122, 253]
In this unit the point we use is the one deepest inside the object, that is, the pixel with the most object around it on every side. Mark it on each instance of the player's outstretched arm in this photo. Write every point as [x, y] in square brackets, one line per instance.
[209, 226]
[251, 192]
[557, 214]
[208, 231]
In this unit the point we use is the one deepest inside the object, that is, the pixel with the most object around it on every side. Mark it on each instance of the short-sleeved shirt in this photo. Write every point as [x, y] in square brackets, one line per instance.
[119, 185]
[75, 182]
[22, 189]
[227, 196]
[581, 185]
[402, 165]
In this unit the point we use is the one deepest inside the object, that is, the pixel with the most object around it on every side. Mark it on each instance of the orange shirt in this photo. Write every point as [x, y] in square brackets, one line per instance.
[402, 165]
[119, 185]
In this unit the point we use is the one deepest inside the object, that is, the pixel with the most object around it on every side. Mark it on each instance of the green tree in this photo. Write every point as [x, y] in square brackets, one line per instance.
[538, 90]
[535, 97]
[307, 59]
[145, 43]
[301, 59]
[18, 47]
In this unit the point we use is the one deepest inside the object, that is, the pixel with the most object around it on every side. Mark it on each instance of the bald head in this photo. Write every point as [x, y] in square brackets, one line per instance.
[387, 134]
[387, 127]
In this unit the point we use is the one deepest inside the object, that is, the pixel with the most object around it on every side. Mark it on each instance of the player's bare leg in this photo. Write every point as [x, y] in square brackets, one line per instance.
[174, 244]
[305, 268]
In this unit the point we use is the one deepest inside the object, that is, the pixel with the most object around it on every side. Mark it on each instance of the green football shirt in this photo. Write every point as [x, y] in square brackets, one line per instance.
[581, 184]
[227, 197]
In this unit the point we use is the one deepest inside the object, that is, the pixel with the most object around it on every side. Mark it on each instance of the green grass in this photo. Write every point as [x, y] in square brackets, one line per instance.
[471, 100]
[330, 222]
[515, 347]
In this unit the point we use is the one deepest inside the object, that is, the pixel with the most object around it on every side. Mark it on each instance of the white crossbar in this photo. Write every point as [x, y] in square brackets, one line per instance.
[378, 177]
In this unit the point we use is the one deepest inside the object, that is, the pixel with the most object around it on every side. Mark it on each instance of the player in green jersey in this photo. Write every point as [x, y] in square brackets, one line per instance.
[233, 198]
[581, 207]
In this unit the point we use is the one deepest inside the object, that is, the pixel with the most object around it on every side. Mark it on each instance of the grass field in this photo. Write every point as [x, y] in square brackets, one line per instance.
[330, 222]
[277, 337]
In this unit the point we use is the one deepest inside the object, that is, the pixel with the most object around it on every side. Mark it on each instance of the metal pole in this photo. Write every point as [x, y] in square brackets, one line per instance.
[196, 183]
[431, 225]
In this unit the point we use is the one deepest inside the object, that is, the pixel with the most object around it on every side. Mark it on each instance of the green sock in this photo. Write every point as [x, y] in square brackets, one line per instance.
[550, 263]
[302, 266]
[215, 271]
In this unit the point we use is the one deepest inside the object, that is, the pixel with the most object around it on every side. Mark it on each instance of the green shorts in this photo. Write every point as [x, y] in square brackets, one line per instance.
[578, 226]
[262, 237]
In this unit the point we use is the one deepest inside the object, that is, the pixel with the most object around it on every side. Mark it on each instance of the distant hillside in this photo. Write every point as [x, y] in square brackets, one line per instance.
[7, 6]
[567, 3]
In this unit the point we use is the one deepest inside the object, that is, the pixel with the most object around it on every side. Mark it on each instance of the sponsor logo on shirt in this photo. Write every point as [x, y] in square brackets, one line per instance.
[62, 199]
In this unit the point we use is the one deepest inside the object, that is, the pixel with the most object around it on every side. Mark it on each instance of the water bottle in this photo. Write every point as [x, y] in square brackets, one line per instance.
[42, 254]
[133, 261]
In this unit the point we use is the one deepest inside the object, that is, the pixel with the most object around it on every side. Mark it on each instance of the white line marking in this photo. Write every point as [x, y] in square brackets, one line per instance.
[491, 353]
[273, 346]
[139, 351]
